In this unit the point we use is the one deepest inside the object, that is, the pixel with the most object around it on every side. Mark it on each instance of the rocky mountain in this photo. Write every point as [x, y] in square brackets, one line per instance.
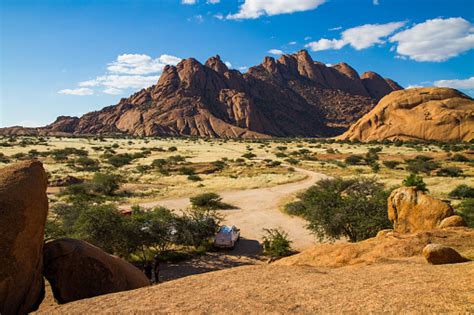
[438, 114]
[291, 96]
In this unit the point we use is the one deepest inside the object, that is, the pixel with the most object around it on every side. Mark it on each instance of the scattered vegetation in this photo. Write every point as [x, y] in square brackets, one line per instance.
[276, 243]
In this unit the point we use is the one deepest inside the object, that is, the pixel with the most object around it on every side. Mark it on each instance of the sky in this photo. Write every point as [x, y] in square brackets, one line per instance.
[69, 57]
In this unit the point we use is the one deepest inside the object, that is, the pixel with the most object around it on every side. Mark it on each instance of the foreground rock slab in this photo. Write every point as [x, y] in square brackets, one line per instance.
[23, 212]
[438, 254]
[78, 270]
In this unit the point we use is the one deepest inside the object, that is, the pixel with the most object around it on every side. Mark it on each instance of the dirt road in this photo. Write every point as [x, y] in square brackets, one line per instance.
[257, 209]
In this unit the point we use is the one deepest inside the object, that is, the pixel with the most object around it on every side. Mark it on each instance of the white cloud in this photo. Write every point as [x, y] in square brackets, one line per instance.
[228, 64]
[413, 86]
[113, 91]
[243, 68]
[326, 44]
[128, 71]
[252, 9]
[276, 52]
[79, 91]
[307, 38]
[219, 16]
[467, 84]
[141, 64]
[213, 1]
[126, 81]
[375, 2]
[188, 2]
[292, 43]
[359, 37]
[435, 40]
[335, 28]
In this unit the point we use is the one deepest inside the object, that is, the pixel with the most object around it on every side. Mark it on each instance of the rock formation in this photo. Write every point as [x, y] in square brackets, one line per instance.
[411, 210]
[435, 114]
[388, 246]
[437, 254]
[78, 270]
[291, 96]
[23, 212]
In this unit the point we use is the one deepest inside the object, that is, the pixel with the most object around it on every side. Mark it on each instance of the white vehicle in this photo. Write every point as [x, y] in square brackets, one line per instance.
[227, 236]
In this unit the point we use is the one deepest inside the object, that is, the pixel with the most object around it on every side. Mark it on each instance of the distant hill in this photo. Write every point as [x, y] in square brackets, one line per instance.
[291, 96]
[427, 114]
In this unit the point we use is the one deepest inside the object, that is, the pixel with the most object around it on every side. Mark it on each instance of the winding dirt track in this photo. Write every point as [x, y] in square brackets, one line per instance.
[258, 209]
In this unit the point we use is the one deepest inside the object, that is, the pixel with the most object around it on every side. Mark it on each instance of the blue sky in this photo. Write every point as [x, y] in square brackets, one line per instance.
[70, 57]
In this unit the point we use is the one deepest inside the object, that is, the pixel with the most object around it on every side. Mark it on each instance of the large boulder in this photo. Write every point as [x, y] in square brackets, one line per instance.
[410, 210]
[23, 212]
[452, 221]
[77, 270]
[438, 254]
[435, 114]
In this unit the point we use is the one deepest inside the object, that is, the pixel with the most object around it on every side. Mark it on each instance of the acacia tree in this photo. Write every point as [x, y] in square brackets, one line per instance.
[352, 208]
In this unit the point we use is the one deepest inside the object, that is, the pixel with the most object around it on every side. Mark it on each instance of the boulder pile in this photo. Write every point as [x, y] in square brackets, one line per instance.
[75, 268]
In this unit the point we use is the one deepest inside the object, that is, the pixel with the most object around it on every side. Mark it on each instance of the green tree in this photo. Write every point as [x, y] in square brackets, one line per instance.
[353, 208]
[414, 180]
[276, 243]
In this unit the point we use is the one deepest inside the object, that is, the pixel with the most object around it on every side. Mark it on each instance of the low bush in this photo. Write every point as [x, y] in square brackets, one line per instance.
[391, 164]
[462, 191]
[414, 180]
[450, 172]
[276, 243]
[354, 160]
[466, 210]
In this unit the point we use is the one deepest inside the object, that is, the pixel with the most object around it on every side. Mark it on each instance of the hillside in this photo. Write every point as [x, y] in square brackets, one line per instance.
[291, 96]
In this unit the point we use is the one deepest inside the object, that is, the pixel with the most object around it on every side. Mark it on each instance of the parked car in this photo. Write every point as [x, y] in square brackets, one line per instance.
[227, 236]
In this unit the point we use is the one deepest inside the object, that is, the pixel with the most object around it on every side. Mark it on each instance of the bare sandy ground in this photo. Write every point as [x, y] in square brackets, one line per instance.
[409, 286]
[257, 209]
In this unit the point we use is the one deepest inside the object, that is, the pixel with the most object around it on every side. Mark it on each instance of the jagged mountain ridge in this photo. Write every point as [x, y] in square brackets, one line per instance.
[291, 96]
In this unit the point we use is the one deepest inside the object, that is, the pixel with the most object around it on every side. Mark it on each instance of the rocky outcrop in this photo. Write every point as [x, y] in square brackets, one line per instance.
[77, 270]
[386, 247]
[291, 96]
[437, 254]
[23, 212]
[434, 114]
[412, 210]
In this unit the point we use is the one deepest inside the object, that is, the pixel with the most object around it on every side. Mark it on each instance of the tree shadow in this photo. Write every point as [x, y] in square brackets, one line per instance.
[246, 252]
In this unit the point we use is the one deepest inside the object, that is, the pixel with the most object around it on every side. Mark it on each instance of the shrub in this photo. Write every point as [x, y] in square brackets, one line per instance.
[459, 158]
[466, 210]
[280, 155]
[120, 160]
[421, 164]
[196, 226]
[354, 160]
[207, 201]
[355, 208]
[187, 171]
[462, 191]
[172, 149]
[391, 164]
[194, 178]
[450, 172]
[276, 243]
[248, 155]
[414, 180]
[292, 161]
[375, 167]
[86, 164]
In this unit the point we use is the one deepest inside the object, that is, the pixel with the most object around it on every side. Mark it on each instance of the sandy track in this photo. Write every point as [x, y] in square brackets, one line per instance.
[258, 209]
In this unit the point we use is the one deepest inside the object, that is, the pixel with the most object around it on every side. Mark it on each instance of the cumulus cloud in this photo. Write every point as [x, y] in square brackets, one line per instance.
[466, 84]
[189, 2]
[113, 91]
[292, 43]
[252, 9]
[435, 40]
[242, 68]
[359, 37]
[375, 2]
[79, 91]
[219, 16]
[335, 28]
[128, 71]
[213, 1]
[228, 64]
[141, 64]
[276, 52]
